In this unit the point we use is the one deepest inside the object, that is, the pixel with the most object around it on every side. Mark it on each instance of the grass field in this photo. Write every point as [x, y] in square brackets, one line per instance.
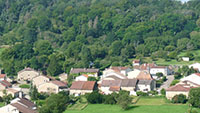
[143, 105]
[102, 108]
[24, 86]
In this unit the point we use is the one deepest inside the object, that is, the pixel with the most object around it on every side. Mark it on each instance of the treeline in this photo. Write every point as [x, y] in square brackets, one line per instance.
[55, 35]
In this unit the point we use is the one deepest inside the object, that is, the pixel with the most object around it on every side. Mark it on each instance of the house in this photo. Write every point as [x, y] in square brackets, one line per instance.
[136, 63]
[82, 87]
[110, 86]
[145, 82]
[160, 69]
[83, 77]
[133, 74]
[187, 59]
[145, 67]
[92, 71]
[177, 89]
[54, 86]
[19, 105]
[113, 73]
[2, 77]
[27, 74]
[193, 79]
[63, 77]
[122, 70]
[41, 79]
[4, 85]
[195, 66]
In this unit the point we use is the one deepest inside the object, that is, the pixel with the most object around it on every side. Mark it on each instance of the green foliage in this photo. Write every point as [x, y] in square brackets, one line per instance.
[54, 67]
[174, 82]
[92, 79]
[110, 99]
[179, 99]
[24, 86]
[193, 97]
[159, 75]
[56, 103]
[124, 100]
[95, 97]
[140, 93]
[163, 92]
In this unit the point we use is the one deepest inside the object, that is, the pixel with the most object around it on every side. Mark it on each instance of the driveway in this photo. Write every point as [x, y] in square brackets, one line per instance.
[167, 83]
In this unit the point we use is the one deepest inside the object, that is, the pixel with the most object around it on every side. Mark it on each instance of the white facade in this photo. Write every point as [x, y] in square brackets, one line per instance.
[195, 66]
[81, 78]
[186, 59]
[119, 75]
[133, 74]
[194, 78]
[9, 109]
[165, 71]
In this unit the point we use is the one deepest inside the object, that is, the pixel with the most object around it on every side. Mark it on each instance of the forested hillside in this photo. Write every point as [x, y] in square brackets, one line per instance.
[55, 35]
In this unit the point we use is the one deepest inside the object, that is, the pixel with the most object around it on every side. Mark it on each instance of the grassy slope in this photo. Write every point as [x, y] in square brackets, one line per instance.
[144, 105]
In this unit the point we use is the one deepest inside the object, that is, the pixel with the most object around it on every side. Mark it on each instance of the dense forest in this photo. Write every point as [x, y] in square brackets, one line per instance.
[54, 35]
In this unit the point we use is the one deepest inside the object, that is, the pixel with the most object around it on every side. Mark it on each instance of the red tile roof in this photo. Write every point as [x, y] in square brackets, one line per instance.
[179, 87]
[144, 76]
[146, 66]
[198, 74]
[158, 67]
[114, 88]
[5, 83]
[136, 61]
[83, 85]
[2, 75]
[23, 109]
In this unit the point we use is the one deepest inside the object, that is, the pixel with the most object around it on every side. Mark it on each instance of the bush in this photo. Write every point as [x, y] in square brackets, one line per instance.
[92, 79]
[95, 98]
[179, 99]
[163, 92]
[194, 95]
[177, 75]
[164, 78]
[153, 92]
[159, 83]
[110, 99]
[140, 93]
[24, 86]
[159, 75]
[124, 99]
[174, 82]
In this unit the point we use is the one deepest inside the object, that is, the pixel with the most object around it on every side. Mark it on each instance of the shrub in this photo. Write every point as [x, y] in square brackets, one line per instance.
[194, 95]
[124, 99]
[159, 75]
[174, 82]
[140, 93]
[179, 99]
[164, 78]
[163, 92]
[92, 79]
[95, 97]
[153, 92]
[110, 99]
[24, 86]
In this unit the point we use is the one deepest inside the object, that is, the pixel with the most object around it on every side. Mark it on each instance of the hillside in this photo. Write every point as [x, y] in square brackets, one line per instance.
[55, 35]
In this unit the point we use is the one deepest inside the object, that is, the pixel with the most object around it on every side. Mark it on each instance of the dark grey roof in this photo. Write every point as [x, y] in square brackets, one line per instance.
[108, 83]
[145, 82]
[121, 83]
[84, 70]
[129, 82]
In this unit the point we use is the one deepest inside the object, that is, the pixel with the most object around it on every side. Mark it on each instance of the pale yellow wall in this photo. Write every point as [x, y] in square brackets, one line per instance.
[27, 75]
[2, 87]
[171, 94]
[81, 92]
[39, 80]
[48, 88]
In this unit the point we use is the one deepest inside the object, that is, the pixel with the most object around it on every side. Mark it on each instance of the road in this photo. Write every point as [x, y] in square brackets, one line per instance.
[167, 83]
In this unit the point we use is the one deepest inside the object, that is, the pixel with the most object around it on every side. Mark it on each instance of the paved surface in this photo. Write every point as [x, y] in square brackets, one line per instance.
[167, 83]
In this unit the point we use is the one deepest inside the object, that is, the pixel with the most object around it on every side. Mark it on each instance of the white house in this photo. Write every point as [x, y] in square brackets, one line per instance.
[193, 79]
[160, 69]
[195, 66]
[136, 63]
[133, 74]
[186, 59]
[122, 70]
[117, 74]
[82, 78]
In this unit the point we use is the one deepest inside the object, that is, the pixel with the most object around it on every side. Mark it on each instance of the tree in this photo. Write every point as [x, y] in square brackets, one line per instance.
[95, 98]
[193, 97]
[54, 67]
[110, 99]
[7, 97]
[163, 92]
[86, 56]
[159, 75]
[179, 99]
[92, 79]
[34, 93]
[124, 100]
[43, 47]
[56, 103]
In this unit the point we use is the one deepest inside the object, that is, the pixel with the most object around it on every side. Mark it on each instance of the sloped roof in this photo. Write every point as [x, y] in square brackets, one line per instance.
[12, 90]
[145, 82]
[136, 61]
[2, 75]
[23, 109]
[114, 88]
[129, 82]
[84, 70]
[27, 69]
[5, 83]
[59, 83]
[109, 83]
[83, 85]
[27, 103]
[159, 67]
[144, 76]
[179, 87]
[113, 77]
[118, 69]
[119, 83]
[146, 66]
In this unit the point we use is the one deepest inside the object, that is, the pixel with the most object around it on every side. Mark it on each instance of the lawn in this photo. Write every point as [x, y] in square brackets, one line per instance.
[102, 108]
[2, 104]
[143, 105]
[24, 86]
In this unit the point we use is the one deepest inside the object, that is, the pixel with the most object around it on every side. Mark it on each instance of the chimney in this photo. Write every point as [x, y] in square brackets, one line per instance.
[20, 94]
